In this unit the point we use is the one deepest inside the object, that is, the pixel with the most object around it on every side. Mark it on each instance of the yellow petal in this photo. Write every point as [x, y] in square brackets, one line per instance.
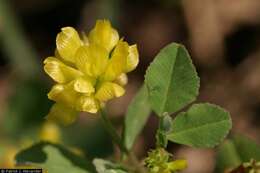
[85, 38]
[122, 79]
[57, 55]
[109, 90]
[117, 63]
[62, 114]
[55, 91]
[177, 165]
[88, 104]
[60, 72]
[67, 43]
[132, 58]
[104, 35]
[92, 60]
[64, 94]
[50, 132]
[83, 86]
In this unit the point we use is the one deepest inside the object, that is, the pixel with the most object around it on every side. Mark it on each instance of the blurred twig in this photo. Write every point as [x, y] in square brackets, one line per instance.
[109, 9]
[17, 48]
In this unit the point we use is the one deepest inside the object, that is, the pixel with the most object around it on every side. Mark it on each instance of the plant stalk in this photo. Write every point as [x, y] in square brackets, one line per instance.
[136, 163]
[112, 131]
[116, 138]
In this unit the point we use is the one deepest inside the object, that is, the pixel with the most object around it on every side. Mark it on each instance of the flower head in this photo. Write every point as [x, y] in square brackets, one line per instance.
[88, 71]
[160, 161]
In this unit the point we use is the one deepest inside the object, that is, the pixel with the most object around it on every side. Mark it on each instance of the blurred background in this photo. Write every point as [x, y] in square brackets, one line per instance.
[222, 36]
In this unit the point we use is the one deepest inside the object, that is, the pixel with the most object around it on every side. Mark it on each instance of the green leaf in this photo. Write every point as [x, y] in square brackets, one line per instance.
[203, 125]
[105, 166]
[235, 151]
[27, 106]
[172, 80]
[54, 158]
[92, 140]
[247, 148]
[136, 117]
[227, 157]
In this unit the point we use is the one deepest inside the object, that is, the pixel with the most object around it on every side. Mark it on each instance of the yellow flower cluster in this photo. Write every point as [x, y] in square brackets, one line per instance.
[160, 161]
[89, 70]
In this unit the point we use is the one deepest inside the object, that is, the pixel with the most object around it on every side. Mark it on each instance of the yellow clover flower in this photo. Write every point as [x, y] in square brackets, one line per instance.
[160, 161]
[88, 71]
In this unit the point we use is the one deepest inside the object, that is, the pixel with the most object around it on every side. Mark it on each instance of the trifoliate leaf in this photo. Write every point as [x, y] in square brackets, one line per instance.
[172, 80]
[203, 125]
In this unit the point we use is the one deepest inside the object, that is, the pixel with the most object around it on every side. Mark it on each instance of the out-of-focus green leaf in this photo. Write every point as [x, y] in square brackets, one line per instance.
[105, 166]
[92, 139]
[247, 148]
[54, 158]
[109, 10]
[236, 151]
[20, 52]
[27, 106]
[136, 117]
[203, 125]
[227, 156]
[172, 80]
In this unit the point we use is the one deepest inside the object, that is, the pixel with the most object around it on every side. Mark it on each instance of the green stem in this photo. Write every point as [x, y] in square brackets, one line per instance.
[112, 131]
[116, 138]
[161, 140]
